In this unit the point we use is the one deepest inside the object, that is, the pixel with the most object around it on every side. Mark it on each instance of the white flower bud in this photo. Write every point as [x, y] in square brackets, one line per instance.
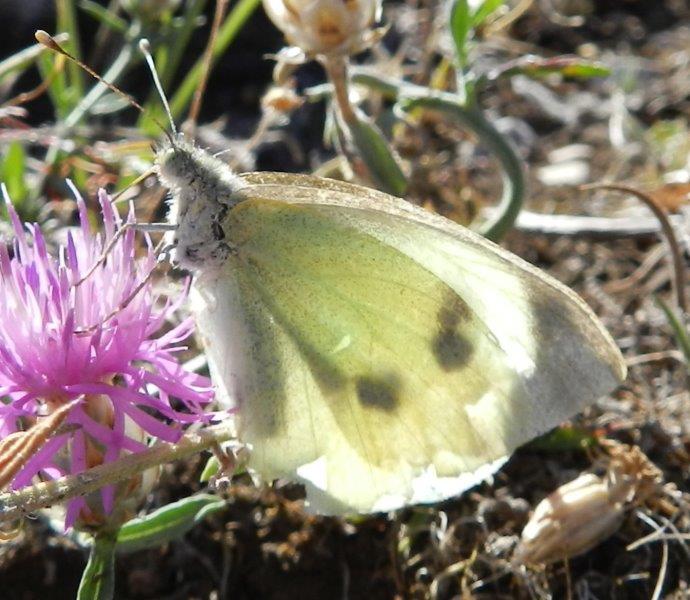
[325, 27]
[584, 512]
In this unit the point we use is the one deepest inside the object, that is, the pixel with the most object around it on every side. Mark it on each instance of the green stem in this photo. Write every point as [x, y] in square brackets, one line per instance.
[231, 27]
[513, 173]
[411, 96]
[98, 579]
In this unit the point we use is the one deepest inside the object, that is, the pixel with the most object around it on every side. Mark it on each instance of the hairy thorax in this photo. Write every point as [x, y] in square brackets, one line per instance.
[202, 190]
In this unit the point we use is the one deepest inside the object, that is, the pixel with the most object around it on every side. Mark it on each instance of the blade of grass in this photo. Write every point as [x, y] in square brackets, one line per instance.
[21, 60]
[46, 64]
[232, 25]
[67, 21]
[679, 330]
[104, 16]
[174, 52]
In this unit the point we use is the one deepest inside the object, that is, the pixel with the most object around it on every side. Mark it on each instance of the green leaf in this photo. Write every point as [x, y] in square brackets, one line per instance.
[564, 439]
[12, 173]
[513, 168]
[679, 330]
[212, 467]
[67, 21]
[98, 579]
[228, 32]
[104, 16]
[460, 26]
[374, 150]
[485, 10]
[167, 523]
[573, 67]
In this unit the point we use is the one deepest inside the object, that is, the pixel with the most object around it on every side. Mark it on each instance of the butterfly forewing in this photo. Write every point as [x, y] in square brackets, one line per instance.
[375, 353]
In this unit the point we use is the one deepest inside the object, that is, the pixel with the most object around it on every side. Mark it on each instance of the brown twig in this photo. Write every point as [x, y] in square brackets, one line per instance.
[195, 109]
[14, 505]
[667, 229]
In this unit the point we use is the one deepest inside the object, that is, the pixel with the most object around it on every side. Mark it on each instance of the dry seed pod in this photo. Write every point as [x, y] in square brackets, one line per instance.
[282, 100]
[584, 512]
[325, 27]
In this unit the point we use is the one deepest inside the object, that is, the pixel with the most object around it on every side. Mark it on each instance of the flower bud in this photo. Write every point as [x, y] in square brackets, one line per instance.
[584, 512]
[325, 27]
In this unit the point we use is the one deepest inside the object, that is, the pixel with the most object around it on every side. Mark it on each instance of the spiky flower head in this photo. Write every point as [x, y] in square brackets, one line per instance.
[103, 343]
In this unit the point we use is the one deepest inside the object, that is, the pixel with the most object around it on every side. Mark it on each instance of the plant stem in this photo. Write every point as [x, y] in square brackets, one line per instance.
[471, 117]
[668, 231]
[29, 499]
[98, 579]
[336, 69]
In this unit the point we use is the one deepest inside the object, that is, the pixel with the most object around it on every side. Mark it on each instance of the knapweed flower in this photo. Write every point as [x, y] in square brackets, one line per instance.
[325, 27]
[77, 329]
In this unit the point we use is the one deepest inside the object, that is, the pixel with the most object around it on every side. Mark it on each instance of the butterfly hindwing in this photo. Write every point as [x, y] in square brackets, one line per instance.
[378, 352]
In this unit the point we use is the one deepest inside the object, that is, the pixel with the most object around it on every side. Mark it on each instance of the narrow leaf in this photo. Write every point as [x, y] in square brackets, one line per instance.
[210, 469]
[676, 324]
[13, 171]
[487, 8]
[167, 523]
[378, 157]
[566, 66]
[104, 16]
[460, 25]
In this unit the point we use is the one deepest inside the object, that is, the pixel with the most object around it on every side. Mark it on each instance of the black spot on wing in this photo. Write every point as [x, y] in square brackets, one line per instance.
[452, 350]
[378, 392]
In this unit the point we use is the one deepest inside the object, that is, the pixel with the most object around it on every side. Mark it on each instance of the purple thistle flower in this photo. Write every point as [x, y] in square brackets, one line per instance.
[94, 341]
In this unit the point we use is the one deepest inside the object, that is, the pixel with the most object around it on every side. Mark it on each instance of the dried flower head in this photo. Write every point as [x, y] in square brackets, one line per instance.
[98, 345]
[584, 512]
[326, 27]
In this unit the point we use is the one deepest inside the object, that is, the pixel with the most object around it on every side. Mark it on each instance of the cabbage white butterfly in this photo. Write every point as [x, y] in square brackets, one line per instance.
[378, 353]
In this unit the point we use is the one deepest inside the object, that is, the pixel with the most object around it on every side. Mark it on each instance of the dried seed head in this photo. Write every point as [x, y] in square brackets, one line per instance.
[325, 27]
[281, 100]
[584, 512]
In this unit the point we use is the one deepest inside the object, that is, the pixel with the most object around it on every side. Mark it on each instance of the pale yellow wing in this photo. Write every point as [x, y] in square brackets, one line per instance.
[382, 354]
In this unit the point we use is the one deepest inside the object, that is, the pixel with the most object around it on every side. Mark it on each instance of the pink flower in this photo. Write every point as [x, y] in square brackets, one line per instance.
[104, 341]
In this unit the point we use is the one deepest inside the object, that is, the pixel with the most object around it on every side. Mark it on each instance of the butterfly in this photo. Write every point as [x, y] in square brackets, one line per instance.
[378, 353]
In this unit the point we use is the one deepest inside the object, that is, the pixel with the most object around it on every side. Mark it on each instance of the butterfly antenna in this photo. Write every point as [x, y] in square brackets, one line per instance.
[49, 42]
[195, 109]
[145, 49]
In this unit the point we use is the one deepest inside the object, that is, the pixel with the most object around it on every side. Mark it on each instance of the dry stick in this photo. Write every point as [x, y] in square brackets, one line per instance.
[666, 227]
[39, 90]
[221, 7]
[336, 67]
[17, 448]
[14, 505]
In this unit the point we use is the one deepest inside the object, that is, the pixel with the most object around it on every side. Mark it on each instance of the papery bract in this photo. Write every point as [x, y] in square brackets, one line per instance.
[324, 27]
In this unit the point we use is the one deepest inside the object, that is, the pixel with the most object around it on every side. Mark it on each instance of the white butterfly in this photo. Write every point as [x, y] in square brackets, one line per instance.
[380, 354]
